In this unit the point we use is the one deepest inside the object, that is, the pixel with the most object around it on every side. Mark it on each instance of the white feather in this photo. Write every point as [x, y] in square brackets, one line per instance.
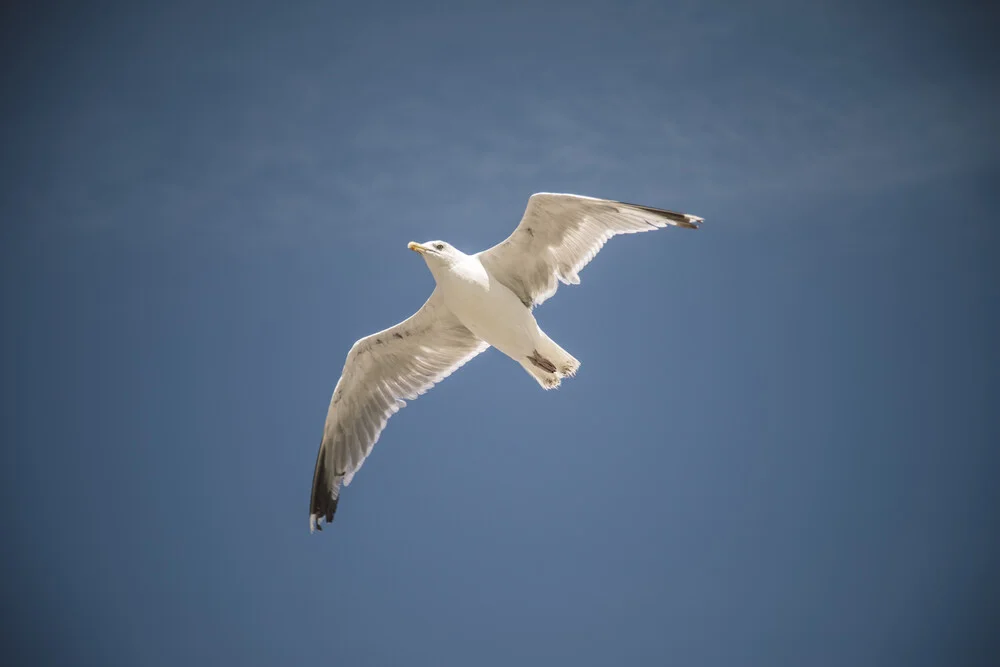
[559, 234]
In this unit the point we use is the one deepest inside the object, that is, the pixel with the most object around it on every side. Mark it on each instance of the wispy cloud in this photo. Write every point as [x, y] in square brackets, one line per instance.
[413, 120]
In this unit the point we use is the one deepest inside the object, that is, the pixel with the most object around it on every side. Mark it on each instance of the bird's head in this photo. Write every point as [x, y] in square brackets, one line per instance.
[437, 254]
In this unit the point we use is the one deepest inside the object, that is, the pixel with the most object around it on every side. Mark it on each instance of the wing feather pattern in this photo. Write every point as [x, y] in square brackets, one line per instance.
[559, 235]
[401, 362]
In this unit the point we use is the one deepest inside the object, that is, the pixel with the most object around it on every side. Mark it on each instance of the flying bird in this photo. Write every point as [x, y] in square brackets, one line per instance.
[480, 300]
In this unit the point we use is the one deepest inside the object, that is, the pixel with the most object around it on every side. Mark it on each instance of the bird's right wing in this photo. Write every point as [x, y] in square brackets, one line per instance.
[381, 370]
[559, 235]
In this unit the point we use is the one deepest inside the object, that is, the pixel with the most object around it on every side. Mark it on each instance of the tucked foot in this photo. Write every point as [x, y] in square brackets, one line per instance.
[541, 362]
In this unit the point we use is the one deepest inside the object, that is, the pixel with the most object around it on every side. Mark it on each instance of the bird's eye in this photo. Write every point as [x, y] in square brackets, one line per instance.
[439, 246]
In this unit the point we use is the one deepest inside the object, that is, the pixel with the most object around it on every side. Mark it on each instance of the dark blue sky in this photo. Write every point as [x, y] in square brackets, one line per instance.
[781, 448]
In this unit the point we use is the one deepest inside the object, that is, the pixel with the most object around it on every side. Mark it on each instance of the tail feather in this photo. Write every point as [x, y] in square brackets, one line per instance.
[549, 364]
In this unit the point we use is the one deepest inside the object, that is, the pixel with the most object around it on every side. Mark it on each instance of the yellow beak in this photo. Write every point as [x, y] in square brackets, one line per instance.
[415, 247]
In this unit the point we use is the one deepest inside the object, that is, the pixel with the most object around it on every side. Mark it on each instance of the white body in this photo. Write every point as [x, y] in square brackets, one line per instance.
[491, 311]
[488, 309]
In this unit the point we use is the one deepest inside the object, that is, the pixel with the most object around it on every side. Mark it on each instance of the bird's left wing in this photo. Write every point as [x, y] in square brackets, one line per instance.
[381, 370]
[559, 234]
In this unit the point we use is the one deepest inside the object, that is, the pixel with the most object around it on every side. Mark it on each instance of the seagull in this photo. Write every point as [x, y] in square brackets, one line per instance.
[479, 300]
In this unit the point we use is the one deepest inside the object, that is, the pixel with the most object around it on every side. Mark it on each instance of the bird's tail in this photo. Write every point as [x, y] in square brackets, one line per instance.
[549, 364]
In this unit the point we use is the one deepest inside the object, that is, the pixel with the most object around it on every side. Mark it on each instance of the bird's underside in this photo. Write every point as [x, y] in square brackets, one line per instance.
[492, 294]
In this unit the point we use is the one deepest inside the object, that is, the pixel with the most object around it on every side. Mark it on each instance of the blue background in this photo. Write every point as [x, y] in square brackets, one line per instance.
[781, 448]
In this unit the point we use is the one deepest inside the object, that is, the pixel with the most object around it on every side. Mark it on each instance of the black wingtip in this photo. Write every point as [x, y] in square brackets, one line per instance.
[322, 512]
[324, 498]
[679, 219]
[322, 507]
